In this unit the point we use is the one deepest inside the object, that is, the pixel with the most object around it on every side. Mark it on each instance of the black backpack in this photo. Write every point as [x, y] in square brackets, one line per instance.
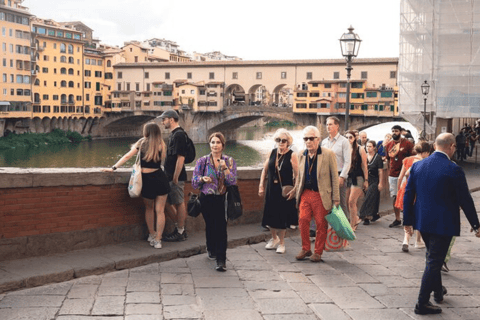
[190, 150]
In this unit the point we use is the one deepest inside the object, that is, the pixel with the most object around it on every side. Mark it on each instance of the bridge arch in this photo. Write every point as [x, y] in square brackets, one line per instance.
[258, 94]
[235, 95]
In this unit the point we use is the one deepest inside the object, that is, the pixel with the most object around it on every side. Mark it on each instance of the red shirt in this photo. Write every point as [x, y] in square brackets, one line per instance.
[396, 152]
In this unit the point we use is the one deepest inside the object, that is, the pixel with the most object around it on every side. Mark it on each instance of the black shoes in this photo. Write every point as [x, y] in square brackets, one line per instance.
[175, 236]
[395, 223]
[428, 308]
[375, 217]
[438, 296]
[211, 255]
[221, 266]
[405, 247]
[366, 222]
[445, 268]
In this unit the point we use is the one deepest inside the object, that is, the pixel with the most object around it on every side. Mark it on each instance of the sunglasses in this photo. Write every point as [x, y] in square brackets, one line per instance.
[278, 140]
[349, 137]
[309, 138]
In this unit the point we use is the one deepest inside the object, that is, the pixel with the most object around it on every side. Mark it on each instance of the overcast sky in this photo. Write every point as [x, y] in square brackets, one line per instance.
[249, 29]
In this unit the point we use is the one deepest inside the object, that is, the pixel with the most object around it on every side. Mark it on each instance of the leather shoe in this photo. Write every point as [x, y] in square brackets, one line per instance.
[445, 268]
[303, 254]
[438, 296]
[428, 308]
[316, 258]
[221, 265]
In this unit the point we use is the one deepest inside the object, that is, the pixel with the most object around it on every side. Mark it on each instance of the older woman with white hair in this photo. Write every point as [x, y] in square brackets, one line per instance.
[281, 169]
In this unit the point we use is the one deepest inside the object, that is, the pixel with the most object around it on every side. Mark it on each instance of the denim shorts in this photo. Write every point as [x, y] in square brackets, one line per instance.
[176, 194]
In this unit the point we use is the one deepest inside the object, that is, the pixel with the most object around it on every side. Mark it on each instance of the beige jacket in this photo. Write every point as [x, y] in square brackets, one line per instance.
[327, 177]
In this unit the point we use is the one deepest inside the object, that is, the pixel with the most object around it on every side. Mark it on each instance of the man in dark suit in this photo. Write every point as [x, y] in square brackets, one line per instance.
[436, 189]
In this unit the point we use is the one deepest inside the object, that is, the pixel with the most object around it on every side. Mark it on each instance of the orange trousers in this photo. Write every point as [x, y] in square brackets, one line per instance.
[311, 205]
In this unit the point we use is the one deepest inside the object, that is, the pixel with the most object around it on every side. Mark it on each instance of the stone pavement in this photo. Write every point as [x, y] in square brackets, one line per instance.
[373, 279]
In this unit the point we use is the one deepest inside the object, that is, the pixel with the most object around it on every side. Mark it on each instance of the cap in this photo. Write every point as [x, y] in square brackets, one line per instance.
[169, 114]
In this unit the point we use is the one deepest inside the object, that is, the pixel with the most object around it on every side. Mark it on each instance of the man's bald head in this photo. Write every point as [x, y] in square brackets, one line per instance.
[446, 142]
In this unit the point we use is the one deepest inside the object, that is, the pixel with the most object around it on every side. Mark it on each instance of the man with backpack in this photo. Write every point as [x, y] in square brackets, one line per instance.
[177, 150]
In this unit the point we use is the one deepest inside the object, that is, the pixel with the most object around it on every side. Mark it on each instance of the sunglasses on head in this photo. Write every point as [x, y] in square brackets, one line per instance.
[278, 140]
[309, 138]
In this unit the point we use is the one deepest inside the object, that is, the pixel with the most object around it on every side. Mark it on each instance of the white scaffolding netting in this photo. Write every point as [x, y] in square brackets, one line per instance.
[440, 43]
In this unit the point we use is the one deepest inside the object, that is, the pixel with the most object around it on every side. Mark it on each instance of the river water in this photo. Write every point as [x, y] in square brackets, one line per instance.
[251, 149]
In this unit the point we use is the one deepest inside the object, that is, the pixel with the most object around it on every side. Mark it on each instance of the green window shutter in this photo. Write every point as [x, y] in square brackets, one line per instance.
[376, 107]
[381, 108]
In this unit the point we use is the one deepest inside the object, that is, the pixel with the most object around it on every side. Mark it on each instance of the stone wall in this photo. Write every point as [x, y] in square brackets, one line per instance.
[47, 211]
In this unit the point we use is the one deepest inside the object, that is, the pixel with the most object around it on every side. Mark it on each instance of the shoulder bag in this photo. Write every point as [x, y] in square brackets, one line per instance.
[285, 188]
[233, 203]
[194, 203]
[135, 183]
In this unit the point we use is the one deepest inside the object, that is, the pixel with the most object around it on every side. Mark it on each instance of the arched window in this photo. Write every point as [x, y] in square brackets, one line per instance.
[63, 98]
[70, 71]
[63, 59]
[71, 84]
[37, 82]
[63, 83]
[63, 48]
[36, 98]
[70, 49]
[63, 71]
[109, 63]
[71, 98]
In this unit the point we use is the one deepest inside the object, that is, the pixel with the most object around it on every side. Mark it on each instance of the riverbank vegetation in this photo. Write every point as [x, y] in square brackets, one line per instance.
[281, 123]
[55, 137]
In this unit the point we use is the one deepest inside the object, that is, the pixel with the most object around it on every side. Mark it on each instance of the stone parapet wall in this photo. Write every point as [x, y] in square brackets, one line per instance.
[47, 211]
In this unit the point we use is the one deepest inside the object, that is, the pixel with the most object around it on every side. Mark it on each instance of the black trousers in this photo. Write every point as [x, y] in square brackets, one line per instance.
[437, 248]
[213, 211]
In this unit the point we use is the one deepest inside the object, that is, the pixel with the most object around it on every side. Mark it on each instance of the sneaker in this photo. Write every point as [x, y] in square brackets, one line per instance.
[419, 245]
[405, 247]
[157, 244]
[395, 223]
[281, 248]
[293, 227]
[221, 266]
[272, 243]
[313, 234]
[366, 222]
[303, 254]
[151, 237]
[316, 258]
[211, 256]
[174, 236]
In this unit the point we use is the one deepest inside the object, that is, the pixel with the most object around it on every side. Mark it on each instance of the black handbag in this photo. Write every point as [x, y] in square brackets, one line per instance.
[233, 203]
[194, 206]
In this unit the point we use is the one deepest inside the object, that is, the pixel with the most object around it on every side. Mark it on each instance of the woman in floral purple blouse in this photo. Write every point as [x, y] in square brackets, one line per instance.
[212, 174]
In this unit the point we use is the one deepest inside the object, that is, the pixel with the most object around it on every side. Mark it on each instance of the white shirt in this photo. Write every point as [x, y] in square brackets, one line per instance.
[343, 152]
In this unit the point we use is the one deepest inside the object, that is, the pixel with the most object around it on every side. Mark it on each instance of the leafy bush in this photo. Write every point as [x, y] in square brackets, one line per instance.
[57, 136]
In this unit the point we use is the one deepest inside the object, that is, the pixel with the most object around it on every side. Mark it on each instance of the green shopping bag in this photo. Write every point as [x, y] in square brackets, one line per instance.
[337, 219]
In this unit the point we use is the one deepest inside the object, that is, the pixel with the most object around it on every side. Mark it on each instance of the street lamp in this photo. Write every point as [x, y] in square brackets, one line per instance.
[425, 89]
[350, 44]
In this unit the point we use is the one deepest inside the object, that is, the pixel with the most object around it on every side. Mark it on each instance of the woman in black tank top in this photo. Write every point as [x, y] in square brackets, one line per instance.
[155, 185]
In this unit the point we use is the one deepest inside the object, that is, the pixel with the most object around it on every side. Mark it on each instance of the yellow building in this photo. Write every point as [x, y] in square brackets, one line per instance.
[95, 88]
[134, 52]
[15, 64]
[58, 86]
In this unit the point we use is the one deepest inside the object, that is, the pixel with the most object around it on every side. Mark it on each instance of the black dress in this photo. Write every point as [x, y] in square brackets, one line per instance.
[372, 197]
[279, 213]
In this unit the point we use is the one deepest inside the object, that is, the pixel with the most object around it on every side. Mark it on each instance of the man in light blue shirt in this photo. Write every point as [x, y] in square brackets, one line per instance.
[343, 153]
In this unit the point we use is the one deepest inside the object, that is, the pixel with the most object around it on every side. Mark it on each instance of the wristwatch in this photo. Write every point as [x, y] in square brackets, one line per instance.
[114, 168]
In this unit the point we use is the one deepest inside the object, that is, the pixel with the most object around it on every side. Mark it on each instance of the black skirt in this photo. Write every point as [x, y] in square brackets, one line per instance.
[154, 184]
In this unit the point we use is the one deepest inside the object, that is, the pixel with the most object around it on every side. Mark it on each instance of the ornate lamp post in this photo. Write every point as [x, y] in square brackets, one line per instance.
[350, 44]
[425, 89]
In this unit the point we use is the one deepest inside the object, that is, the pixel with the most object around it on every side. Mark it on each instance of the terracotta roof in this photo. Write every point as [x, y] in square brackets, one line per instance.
[180, 81]
[215, 82]
[158, 82]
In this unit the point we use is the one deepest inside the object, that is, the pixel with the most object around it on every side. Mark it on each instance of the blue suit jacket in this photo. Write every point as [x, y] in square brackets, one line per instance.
[435, 191]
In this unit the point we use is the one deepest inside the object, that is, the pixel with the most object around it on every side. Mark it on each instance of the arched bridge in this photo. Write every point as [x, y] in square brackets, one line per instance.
[200, 125]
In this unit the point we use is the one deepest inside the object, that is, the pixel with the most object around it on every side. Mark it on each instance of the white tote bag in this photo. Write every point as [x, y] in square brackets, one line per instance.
[135, 184]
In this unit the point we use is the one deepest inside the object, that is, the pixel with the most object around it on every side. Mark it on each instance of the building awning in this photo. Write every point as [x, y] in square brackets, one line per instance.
[4, 103]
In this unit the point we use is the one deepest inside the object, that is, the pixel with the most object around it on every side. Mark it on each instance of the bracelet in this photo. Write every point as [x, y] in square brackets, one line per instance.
[114, 168]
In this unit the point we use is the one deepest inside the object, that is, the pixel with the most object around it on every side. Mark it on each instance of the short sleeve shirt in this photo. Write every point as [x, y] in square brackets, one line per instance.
[395, 153]
[177, 146]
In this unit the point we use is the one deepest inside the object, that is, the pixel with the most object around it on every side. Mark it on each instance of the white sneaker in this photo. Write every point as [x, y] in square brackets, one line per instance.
[272, 244]
[151, 237]
[281, 248]
[156, 244]
[419, 245]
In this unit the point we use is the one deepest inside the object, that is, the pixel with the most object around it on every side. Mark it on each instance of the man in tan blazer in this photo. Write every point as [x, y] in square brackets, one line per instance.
[317, 191]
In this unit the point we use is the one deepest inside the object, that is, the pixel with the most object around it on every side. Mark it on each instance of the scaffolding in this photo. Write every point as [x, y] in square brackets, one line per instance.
[440, 43]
